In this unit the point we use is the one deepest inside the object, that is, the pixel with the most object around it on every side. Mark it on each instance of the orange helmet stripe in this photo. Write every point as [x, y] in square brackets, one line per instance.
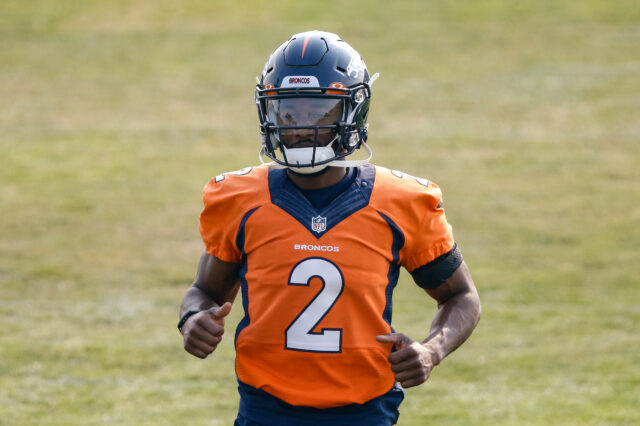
[304, 45]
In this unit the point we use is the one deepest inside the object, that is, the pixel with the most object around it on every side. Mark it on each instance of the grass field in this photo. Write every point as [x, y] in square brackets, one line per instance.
[114, 114]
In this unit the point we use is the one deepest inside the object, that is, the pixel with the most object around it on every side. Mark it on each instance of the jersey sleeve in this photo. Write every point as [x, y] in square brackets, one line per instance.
[227, 198]
[429, 251]
[430, 235]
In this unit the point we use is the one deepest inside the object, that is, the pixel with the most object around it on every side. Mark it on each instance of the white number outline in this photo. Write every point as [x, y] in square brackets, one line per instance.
[299, 335]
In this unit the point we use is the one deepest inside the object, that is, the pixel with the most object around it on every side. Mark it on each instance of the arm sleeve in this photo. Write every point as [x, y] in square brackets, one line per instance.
[438, 270]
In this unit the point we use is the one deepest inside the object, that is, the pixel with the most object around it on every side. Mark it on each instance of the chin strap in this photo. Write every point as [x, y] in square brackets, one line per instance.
[334, 163]
[354, 163]
[273, 164]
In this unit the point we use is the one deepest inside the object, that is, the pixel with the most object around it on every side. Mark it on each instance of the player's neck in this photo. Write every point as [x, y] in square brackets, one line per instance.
[332, 176]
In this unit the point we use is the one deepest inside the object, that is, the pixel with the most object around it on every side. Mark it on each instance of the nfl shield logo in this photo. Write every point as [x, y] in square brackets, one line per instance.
[319, 224]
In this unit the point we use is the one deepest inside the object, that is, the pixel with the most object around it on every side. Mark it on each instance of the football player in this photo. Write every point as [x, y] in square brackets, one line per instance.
[314, 240]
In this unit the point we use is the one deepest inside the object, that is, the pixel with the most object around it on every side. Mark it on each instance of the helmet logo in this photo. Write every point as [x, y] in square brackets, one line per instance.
[355, 67]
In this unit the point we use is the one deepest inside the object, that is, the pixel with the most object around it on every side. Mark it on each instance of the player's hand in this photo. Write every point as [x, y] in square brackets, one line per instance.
[411, 362]
[203, 331]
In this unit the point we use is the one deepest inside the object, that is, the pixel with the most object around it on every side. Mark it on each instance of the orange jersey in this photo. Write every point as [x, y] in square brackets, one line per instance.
[317, 283]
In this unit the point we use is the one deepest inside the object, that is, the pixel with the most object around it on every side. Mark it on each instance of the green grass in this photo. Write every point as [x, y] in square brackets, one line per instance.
[114, 114]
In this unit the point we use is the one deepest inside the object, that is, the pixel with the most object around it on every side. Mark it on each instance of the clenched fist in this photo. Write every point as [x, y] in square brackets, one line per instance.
[203, 331]
[411, 362]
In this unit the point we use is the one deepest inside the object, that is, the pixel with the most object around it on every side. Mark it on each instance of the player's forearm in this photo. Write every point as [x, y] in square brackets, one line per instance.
[453, 324]
[196, 299]
[216, 283]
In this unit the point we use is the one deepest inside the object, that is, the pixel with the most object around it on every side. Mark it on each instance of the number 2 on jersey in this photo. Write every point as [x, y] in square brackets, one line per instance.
[299, 336]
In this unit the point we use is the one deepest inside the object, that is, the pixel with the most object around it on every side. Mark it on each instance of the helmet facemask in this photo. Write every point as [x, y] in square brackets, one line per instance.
[309, 130]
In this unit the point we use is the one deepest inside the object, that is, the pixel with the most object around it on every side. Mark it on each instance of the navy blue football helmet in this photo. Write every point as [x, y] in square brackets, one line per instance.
[313, 100]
